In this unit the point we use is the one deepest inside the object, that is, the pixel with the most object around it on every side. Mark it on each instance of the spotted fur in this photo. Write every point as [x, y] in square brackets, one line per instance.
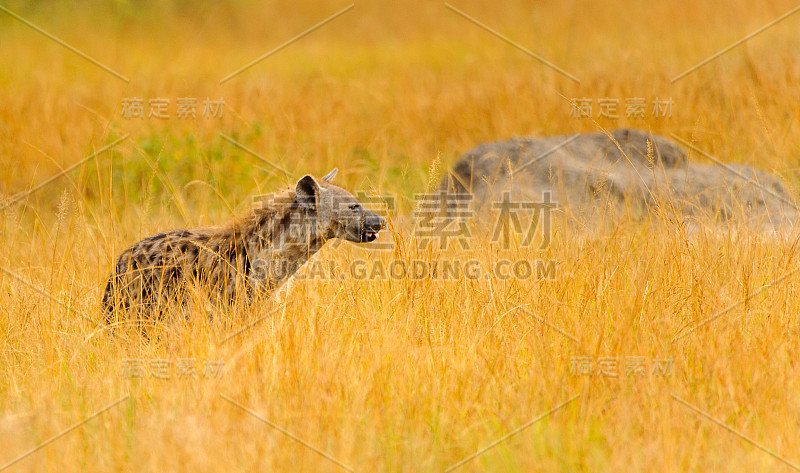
[254, 253]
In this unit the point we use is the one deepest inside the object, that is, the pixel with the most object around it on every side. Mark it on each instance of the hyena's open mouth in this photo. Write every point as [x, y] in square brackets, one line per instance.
[372, 226]
[369, 235]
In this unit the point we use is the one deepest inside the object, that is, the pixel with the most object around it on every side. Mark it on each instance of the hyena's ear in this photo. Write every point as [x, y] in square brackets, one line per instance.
[307, 191]
[329, 177]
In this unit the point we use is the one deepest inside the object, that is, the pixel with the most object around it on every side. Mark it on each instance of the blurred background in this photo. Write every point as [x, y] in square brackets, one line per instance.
[390, 93]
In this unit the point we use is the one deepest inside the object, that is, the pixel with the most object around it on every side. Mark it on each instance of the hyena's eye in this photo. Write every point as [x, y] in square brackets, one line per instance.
[355, 207]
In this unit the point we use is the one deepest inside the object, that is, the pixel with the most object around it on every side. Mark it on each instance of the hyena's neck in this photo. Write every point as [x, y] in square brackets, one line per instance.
[277, 245]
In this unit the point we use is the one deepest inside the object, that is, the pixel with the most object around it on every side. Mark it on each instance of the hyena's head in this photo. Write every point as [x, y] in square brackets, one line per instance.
[337, 212]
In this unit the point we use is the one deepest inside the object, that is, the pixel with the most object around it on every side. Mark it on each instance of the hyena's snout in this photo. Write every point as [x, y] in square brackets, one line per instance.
[372, 224]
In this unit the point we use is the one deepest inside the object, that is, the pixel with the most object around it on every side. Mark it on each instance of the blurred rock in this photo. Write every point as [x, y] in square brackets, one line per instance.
[595, 175]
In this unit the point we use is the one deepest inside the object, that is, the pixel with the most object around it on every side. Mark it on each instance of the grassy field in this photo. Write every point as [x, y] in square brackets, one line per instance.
[647, 349]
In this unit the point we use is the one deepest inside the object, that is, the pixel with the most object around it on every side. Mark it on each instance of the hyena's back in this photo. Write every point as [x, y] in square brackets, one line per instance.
[154, 272]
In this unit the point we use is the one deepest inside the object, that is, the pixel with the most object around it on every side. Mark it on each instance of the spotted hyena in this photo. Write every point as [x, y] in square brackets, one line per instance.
[254, 253]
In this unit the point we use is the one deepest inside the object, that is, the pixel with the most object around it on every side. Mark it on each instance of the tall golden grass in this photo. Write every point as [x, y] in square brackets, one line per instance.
[392, 374]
